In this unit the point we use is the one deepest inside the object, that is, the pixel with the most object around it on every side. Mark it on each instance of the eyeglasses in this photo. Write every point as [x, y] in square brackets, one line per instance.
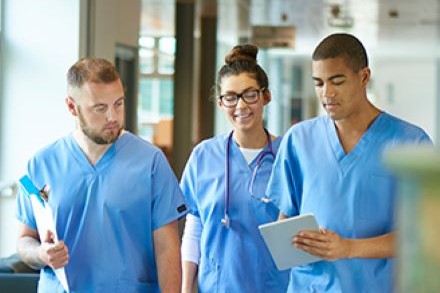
[250, 96]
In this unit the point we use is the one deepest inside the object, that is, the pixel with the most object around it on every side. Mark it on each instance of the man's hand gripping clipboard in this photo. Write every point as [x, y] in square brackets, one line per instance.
[44, 218]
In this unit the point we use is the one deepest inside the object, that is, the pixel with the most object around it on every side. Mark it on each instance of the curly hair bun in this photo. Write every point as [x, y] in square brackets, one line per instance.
[247, 53]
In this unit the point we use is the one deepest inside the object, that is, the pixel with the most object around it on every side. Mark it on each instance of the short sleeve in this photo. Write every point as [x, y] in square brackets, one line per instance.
[168, 202]
[188, 184]
[284, 186]
[24, 212]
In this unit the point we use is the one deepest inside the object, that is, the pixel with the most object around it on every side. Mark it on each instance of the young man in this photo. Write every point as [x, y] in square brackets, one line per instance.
[331, 166]
[115, 199]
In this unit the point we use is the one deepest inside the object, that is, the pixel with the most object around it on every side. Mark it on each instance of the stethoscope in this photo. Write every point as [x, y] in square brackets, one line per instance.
[267, 151]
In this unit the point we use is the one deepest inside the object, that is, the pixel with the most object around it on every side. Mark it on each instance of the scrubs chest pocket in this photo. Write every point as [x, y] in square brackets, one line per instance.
[375, 200]
[263, 212]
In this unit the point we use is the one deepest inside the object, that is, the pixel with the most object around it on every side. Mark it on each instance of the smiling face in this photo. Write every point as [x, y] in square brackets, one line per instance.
[99, 108]
[244, 117]
[341, 91]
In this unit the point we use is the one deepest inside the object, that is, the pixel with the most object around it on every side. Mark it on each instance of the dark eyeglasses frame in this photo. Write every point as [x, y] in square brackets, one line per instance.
[240, 96]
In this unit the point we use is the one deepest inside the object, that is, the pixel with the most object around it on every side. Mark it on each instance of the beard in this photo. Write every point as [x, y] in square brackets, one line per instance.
[107, 138]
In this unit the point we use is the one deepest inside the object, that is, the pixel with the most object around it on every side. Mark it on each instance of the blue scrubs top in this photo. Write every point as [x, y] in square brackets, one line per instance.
[233, 259]
[352, 194]
[106, 213]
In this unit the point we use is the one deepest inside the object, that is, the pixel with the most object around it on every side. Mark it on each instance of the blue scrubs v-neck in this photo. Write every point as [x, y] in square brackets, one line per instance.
[343, 160]
[102, 163]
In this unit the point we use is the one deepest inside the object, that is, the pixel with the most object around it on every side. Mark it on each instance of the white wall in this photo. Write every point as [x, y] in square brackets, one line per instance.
[407, 87]
[41, 39]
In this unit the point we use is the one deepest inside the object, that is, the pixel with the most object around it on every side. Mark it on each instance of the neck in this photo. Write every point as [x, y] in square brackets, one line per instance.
[252, 139]
[358, 123]
[351, 130]
[91, 150]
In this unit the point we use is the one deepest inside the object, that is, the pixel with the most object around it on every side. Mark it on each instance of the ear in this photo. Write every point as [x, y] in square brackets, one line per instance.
[365, 76]
[219, 102]
[71, 106]
[267, 97]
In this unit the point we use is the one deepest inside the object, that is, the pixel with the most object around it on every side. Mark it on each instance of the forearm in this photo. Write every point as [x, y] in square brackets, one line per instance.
[167, 250]
[329, 245]
[376, 247]
[189, 276]
[190, 252]
[28, 249]
[170, 273]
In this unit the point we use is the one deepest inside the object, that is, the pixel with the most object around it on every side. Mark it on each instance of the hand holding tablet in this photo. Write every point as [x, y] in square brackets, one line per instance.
[278, 238]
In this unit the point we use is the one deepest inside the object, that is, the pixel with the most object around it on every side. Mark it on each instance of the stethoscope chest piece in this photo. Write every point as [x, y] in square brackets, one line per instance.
[226, 222]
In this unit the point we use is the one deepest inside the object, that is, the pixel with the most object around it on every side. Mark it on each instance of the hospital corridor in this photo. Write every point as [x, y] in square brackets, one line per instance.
[219, 146]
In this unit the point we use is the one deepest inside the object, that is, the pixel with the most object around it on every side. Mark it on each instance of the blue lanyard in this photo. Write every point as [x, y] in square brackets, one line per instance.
[267, 151]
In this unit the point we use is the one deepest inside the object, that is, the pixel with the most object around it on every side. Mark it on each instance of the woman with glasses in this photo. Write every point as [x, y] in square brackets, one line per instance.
[224, 183]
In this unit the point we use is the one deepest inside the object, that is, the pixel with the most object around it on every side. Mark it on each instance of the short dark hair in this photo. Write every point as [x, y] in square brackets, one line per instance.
[91, 69]
[342, 45]
[243, 59]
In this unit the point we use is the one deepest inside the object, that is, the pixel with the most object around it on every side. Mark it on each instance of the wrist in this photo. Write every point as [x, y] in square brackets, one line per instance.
[40, 260]
[350, 250]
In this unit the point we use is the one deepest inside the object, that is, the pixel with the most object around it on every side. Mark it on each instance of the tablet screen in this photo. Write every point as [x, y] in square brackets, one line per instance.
[278, 238]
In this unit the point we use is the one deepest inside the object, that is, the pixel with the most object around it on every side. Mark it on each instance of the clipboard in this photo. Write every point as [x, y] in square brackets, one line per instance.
[278, 238]
[44, 219]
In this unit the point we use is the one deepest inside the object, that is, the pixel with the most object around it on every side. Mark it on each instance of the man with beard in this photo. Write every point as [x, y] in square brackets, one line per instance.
[115, 200]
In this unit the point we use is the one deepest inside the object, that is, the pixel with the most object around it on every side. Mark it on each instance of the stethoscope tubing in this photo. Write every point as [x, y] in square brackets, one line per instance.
[225, 220]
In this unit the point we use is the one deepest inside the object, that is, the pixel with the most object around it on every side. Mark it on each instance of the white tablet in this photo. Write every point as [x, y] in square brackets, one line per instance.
[278, 237]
